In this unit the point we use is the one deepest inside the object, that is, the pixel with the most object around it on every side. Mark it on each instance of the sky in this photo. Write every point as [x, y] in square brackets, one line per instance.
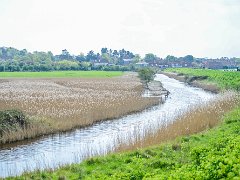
[203, 28]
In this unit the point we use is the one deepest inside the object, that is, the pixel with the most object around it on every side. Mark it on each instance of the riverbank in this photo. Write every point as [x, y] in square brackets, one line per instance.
[213, 154]
[60, 104]
[211, 80]
[195, 81]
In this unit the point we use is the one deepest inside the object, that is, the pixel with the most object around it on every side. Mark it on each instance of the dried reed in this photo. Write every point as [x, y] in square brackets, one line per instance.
[196, 119]
[61, 104]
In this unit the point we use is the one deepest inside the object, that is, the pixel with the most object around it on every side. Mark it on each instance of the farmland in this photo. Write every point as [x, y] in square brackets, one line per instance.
[61, 74]
[223, 79]
[60, 104]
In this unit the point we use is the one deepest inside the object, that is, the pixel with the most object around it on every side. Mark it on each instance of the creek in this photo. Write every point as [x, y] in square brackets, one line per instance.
[102, 138]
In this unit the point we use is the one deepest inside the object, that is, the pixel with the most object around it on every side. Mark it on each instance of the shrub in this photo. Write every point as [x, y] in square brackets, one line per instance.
[11, 119]
[146, 74]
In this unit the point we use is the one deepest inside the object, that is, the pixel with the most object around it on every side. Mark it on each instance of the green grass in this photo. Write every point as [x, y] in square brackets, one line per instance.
[214, 154]
[225, 79]
[61, 74]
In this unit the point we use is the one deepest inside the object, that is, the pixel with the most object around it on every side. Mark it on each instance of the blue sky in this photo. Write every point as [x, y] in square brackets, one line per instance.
[204, 28]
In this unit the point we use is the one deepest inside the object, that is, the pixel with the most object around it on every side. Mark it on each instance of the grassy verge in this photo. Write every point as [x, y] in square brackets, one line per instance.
[61, 74]
[224, 79]
[214, 154]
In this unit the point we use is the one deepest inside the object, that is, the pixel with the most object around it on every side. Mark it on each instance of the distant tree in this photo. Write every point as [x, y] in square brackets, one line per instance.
[170, 58]
[122, 54]
[68, 65]
[150, 57]
[65, 55]
[23, 52]
[81, 57]
[136, 58]
[91, 56]
[146, 74]
[115, 53]
[106, 57]
[188, 58]
[104, 50]
[85, 66]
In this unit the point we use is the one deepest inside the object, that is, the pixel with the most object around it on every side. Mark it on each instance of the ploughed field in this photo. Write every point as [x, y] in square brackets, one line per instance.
[60, 104]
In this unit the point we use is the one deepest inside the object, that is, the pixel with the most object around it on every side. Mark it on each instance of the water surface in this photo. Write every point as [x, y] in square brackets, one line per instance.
[102, 138]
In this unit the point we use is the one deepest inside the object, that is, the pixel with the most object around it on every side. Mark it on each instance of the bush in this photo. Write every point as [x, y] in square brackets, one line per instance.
[11, 119]
[146, 74]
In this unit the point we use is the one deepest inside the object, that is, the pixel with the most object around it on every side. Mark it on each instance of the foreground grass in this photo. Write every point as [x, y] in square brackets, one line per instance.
[214, 154]
[61, 74]
[224, 79]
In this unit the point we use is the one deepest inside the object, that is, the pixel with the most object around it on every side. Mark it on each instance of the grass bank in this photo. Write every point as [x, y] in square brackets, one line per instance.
[61, 74]
[214, 154]
[213, 80]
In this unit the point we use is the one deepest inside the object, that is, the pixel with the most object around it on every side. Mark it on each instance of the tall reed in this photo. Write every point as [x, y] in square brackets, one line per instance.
[61, 104]
[196, 119]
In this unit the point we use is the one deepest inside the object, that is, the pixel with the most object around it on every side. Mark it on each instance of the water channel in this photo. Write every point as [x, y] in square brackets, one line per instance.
[102, 138]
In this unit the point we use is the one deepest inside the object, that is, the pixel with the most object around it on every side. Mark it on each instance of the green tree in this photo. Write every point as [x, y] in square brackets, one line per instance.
[170, 58]
[137, 58]
[146, 74]
[150, 57]
[188, 58]
[68, 65]
[107, 57]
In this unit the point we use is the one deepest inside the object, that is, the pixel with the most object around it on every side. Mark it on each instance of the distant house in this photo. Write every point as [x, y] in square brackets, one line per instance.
[222, 63]
[212, 64]
[176, 65]
[163, 66]
[65, 52]
[142, 64]
[127, 61]
[100, 62]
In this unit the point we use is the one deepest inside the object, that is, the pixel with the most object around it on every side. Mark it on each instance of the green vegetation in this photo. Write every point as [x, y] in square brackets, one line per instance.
[214, 154]
[12, 60]
[62, 74]
[225, 79]
[146, 74]
[11, 120]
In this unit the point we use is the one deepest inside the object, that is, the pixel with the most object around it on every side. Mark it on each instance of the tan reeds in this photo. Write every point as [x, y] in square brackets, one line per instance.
[196, 119]
[62, 104]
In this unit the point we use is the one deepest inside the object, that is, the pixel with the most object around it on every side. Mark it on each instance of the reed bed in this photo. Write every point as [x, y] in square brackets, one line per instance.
[195, 120]
[61, 104]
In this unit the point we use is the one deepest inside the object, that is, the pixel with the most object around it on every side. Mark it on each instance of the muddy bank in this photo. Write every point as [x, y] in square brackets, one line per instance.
[156, 89]
[194, 81]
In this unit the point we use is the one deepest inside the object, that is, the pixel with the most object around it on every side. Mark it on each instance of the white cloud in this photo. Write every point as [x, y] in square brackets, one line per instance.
[202, 28]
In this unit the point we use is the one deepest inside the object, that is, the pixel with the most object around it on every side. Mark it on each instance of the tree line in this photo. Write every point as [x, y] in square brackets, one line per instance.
[12, 59]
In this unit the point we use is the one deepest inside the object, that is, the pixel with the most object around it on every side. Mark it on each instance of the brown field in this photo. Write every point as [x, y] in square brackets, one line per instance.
[61, 104]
